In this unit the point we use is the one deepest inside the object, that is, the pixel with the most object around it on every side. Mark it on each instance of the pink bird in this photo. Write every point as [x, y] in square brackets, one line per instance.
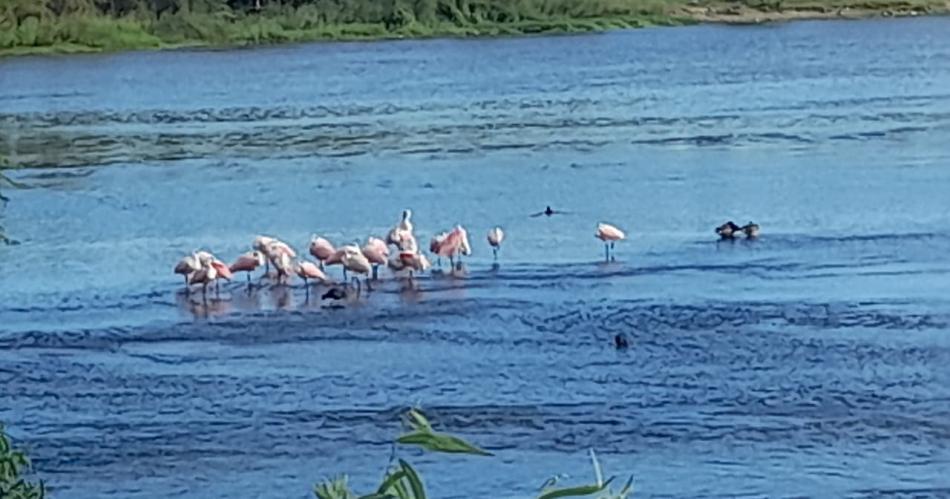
[272, 247]
[309, 270]
[321, 249]
[248, 262]
[188, 265]
[376, 252]
[337, 258]
[354, 261]
[204, 276]
[454, 243]
[609, 234]
[401, 229]
[411, 262]
[403, 240]
[221, 269]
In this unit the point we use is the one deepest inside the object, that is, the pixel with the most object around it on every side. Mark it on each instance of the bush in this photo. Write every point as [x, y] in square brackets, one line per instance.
[13, 464]
[106, 34]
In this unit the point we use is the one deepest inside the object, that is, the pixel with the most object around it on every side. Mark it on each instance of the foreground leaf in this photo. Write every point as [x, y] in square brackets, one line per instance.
[579, 491]
[441, 442]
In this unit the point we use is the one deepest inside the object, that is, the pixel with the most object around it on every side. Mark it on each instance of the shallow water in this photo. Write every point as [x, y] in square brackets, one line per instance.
[812, 362]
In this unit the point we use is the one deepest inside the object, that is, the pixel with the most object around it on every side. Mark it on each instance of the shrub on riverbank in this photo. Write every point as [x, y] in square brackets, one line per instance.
[93, 25]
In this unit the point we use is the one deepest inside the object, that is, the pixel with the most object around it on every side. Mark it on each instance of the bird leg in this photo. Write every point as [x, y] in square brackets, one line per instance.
[344, 273]
[613, 257]
[606, 252]
[375, 272]
[495, 252]
[368, 287]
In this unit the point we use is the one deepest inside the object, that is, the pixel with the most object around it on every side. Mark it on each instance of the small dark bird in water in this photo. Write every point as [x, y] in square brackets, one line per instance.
[751, 230]
[728, 230]
[620, 341]
[334, 294]
[548, 212]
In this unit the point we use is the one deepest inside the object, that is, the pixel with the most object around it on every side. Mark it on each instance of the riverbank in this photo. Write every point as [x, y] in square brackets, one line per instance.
[41, 31]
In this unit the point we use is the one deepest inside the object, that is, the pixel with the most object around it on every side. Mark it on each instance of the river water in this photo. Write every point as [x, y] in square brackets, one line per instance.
[812, 362]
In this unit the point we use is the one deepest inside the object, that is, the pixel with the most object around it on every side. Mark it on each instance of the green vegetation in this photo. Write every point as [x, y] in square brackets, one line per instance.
[43, 26]
[402, 481]
[13, 465]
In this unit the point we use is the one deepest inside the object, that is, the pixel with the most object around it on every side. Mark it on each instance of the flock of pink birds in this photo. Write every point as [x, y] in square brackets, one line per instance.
[204, 269]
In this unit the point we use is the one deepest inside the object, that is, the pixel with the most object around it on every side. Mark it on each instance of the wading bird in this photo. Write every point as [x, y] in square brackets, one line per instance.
[321, 249]
[189, 264]
[609, 235]
[309, 270]
[376, 251]
[247, 263]
[495, 237]
[455, 243]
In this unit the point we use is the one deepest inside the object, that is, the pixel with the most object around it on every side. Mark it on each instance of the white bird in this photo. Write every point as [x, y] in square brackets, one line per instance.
[495, 237]
[355, 261]
[609, 234]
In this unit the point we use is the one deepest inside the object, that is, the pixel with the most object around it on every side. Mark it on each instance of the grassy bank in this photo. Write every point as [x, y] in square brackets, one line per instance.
[71, 26]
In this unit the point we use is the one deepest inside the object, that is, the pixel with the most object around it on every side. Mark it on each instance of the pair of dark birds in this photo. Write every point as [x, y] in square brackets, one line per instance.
[730, 230]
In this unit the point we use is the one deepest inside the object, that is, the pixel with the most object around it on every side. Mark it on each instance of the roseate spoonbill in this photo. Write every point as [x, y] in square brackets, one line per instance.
[728, 230]
[309, 270]
[354, 261]
[404, 225]
[609, 235]
[404, 240]
[247, 263]
[455, 243]
[751, 230]
[337, 257]
[204, 276]
[221, 268]
[435, 243]
[284, 266]
[272, 248]
[188, 265]
[495, 237]
[376, 252]
[411, 262]
[321, 249]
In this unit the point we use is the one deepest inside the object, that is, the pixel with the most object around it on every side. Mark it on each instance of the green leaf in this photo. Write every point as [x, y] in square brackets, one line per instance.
[580, 491]
[336, 488]
[390, 481]
[418, 421]
[627, 488]
[415, 483]
[441, 442]
[401, 490]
